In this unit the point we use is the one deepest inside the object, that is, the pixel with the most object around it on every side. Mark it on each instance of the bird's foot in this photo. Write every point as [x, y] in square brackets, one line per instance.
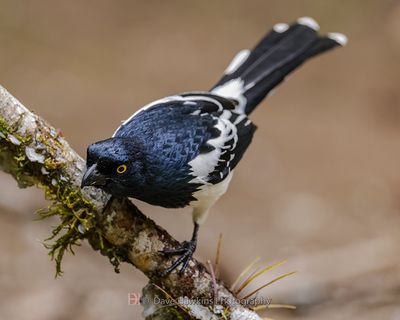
[185, 251]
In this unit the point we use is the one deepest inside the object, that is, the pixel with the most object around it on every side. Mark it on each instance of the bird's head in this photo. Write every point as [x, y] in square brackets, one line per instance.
[115, 165]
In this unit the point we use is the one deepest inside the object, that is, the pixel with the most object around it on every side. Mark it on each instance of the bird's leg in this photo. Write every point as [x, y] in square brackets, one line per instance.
[186, 251]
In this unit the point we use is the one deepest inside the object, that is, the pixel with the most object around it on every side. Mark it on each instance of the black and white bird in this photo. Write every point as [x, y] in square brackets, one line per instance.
[182, 150]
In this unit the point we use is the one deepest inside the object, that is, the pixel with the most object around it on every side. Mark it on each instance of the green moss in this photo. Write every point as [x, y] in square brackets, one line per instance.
[77, 215]
[4, 128]
[76, 220]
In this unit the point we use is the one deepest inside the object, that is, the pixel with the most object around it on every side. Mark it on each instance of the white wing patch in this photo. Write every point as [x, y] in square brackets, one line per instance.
[205, 163]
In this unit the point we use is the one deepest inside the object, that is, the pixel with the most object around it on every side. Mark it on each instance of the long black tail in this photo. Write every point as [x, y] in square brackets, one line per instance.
[252, 74]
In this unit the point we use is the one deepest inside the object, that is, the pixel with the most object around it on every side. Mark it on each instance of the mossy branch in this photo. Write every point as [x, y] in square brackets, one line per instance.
[35, 153]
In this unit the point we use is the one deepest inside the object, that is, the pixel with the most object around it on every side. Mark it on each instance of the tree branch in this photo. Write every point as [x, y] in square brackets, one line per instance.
[35, 153]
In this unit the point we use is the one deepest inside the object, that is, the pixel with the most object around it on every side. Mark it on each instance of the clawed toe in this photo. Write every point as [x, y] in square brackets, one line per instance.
[177, 251]
[185, 252]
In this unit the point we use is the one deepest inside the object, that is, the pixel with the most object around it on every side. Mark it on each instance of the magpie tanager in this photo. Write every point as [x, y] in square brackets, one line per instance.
[182, 150]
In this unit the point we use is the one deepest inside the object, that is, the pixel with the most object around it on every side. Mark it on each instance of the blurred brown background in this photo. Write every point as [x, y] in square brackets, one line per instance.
[319, 187]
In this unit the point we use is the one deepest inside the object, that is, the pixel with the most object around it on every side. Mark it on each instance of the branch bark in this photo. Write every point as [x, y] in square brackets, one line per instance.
[35, 153]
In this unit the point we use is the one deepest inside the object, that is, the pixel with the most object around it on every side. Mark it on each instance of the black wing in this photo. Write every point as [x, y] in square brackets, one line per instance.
[195, 132]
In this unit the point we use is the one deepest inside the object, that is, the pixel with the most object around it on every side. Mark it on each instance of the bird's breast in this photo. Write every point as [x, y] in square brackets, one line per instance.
[208, 194]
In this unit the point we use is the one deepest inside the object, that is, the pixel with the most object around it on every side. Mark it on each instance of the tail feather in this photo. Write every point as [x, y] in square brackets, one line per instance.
[252, 74]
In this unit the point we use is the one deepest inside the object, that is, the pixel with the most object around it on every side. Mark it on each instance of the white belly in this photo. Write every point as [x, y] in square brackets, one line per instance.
[206, 197]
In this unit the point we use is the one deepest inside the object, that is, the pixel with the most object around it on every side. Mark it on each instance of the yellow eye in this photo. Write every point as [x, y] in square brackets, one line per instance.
[121, 169]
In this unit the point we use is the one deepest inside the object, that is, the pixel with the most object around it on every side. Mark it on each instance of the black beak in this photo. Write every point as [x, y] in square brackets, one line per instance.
[92, 178]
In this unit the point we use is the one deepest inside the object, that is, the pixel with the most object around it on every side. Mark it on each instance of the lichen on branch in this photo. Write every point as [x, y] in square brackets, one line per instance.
[35, 153]
[33, 160]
